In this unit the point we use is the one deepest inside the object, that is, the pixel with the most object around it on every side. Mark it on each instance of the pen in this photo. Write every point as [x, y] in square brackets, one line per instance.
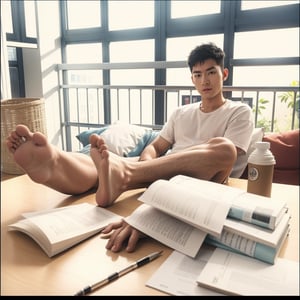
[116, 275]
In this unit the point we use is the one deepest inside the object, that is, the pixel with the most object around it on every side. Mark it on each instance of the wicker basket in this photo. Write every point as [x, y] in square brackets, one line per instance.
[27, 111]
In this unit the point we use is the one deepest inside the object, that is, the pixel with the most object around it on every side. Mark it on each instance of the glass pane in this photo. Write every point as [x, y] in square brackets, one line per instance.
[130, 14]
[30, 19]
[83, 14]
[84, 53]
[265, 75]
[178, 49]
[12, 53]
[132, 51]
[180, 9]
[6, 16]
[262, 4]
[267, 43]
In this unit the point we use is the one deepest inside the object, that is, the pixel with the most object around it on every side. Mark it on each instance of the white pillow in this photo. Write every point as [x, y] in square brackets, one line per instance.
[122, 138]
[242, 160]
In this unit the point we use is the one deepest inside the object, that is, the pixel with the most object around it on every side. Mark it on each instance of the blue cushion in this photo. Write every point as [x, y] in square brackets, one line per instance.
[84, 136]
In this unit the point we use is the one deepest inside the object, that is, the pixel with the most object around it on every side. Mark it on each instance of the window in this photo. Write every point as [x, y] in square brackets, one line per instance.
[263, 4]
[267, 43]
[6, 16]
[84, 53]
[83, 14]
[16, 74]
[30, 22]
[132, 51]
[130, 14]
[19, 23]
[180, 9]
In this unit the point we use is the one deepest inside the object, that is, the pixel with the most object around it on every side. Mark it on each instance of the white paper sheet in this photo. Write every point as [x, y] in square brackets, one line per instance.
[178, 274]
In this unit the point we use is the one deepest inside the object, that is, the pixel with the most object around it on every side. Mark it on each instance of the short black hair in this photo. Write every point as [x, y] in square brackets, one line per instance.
[206, 51]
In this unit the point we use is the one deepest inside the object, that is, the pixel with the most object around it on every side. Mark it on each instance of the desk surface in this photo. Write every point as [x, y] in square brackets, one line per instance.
[27, 270]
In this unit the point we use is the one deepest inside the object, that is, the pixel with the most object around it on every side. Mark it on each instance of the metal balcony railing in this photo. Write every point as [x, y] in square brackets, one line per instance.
[87, 106]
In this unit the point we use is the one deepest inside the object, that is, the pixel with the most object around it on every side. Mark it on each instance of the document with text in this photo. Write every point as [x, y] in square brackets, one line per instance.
[236, 274]
[167, 229]
[178, 275]
[259, 210]
[199, 210]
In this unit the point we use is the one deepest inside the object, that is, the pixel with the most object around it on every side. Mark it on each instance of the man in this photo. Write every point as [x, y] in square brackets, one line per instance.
[203, 141]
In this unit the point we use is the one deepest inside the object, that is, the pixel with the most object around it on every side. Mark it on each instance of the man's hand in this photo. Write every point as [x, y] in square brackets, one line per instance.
[120, 233]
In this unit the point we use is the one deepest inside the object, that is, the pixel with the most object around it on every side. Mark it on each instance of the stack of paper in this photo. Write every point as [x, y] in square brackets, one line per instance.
[215, 271]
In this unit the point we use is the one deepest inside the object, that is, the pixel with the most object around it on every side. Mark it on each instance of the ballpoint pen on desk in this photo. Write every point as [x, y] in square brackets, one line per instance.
[116, 275]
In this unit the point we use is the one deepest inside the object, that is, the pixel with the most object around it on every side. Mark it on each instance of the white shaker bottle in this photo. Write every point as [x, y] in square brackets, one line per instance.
[260, 170]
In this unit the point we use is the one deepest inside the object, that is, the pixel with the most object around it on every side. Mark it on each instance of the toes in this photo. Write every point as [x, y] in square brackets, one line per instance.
[23, 131]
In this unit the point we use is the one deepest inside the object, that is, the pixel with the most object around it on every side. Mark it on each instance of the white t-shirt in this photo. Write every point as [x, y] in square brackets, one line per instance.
[189, 126]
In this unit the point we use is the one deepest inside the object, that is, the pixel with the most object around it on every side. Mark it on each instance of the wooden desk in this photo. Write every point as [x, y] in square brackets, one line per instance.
[27, 270]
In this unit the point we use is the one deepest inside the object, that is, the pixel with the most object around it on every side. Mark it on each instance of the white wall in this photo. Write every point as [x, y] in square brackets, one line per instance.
[49, 55]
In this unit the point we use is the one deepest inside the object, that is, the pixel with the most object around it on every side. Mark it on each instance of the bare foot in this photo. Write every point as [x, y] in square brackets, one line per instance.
[111, 172]
[31, 152]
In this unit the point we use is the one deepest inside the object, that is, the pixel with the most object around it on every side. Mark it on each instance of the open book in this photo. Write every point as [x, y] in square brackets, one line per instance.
[236, 274]
[248, 207]
[58, 229]
[202, 209]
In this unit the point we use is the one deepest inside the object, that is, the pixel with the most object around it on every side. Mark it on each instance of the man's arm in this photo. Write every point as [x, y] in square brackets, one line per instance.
[155, 149]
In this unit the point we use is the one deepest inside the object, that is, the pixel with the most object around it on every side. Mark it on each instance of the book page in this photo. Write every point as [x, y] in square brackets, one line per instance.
[177, 275]
[75, 219]
[236, 274]
[60, 228]
[252, 208]
[167, 229]
[201, 210]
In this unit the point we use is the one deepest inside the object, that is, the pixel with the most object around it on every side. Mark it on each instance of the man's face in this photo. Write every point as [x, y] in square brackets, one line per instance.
[208, 78]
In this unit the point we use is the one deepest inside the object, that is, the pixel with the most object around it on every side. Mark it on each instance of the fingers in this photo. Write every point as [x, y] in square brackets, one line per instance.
[133, 240]
[123, 233]
[110, 227]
